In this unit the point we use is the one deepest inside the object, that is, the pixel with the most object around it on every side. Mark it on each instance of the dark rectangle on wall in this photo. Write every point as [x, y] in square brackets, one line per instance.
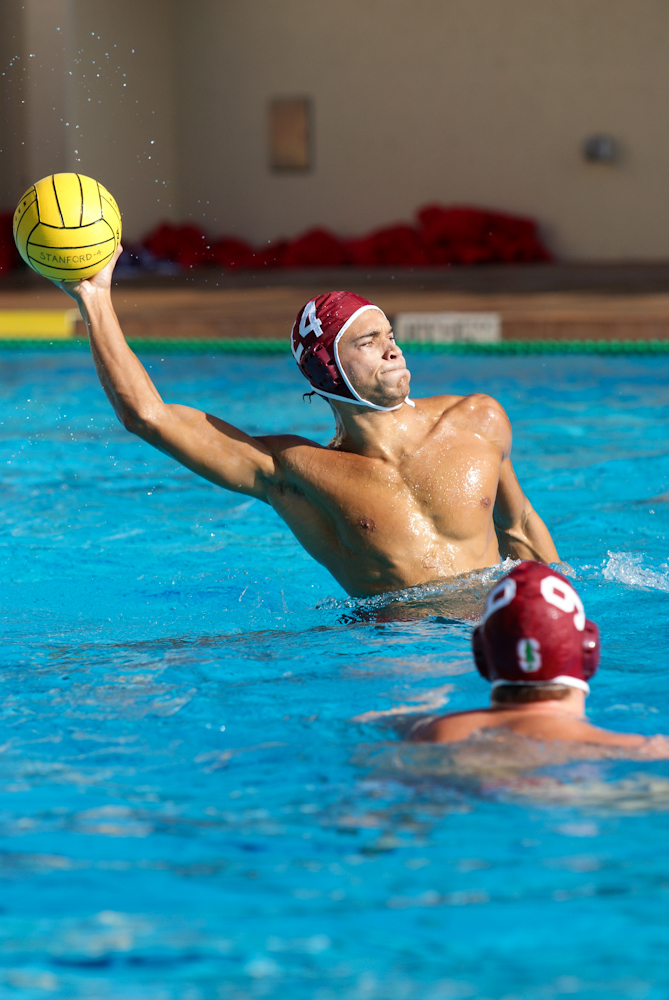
[290, 134]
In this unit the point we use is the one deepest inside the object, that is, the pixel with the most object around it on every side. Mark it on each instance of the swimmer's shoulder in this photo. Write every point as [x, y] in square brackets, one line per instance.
[459, 726]
[452, 728]
[437, 406]
[557, 728]
[655, 746]
[290, 450]
[477, 412]
[290, 454]
[300, 464]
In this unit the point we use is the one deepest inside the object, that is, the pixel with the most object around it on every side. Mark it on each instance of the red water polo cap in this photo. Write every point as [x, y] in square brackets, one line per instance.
[316, 333]
[534, 631]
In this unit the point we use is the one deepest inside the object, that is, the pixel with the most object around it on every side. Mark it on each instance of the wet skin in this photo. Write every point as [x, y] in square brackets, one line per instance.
[547, 721]
[382, 521]
[397, 499]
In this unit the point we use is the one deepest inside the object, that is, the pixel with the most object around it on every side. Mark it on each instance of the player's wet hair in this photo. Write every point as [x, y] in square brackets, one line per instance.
[525, 694]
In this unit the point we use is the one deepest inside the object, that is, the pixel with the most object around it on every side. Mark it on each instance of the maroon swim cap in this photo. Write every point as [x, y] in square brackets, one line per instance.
[314, 338]
[534, 631]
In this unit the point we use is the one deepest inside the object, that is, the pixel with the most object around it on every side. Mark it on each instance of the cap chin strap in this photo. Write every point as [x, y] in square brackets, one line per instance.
[572, 682]
[358, 397]
[359, 401]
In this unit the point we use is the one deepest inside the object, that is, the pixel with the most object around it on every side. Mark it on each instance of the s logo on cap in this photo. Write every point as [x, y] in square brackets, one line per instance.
[529, 655]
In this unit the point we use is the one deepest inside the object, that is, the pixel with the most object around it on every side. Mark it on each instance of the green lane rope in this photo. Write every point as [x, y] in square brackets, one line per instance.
[250, 346]
[155, 346]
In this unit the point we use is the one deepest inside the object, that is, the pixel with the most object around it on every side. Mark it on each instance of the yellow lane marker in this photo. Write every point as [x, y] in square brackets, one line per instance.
[38, 324]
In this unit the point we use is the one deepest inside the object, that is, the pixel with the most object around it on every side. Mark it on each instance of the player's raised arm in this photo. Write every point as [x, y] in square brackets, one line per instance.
[521, 534]
[209, 446]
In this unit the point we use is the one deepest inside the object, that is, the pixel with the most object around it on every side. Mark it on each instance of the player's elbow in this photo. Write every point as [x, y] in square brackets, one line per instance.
[143, 422]
[130, 422]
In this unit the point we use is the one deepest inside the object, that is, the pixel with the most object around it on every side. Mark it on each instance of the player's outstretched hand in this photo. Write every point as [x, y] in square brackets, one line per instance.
[79, 290]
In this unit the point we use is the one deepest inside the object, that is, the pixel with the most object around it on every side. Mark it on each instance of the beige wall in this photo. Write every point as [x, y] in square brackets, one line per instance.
[482, 101]
[126, 114]
[92, 104]
[12, 130]
[474, 101]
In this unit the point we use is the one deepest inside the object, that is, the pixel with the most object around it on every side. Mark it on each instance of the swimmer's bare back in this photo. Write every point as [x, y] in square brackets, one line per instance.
[545, 722]
[398, 499]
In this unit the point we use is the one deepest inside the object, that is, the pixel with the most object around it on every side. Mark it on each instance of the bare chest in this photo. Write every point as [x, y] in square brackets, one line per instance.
[446, 492]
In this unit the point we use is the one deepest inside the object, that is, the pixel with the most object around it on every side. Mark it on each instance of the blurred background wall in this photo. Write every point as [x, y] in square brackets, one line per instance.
[483, 102]
[91, 87]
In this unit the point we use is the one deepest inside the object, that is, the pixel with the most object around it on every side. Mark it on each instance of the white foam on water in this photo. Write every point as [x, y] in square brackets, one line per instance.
[627, 568]
[464, 582]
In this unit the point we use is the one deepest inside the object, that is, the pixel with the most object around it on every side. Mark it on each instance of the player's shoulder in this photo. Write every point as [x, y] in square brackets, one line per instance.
[451, 728]
[482, 407]
[638, 746]
[587, 733]
[301, 461]
[478, 411]
[476, 403]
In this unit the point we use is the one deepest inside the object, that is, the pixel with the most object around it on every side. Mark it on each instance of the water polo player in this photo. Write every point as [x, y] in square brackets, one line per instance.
[409, 491]
[539, 652]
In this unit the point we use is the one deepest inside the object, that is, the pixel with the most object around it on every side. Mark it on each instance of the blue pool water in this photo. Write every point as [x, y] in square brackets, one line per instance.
[188, 811]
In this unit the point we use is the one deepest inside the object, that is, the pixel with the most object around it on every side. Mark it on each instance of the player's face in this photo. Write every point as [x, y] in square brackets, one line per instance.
[372, 360]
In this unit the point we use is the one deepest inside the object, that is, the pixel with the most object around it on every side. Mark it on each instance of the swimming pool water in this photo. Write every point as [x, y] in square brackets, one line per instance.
[188, 810]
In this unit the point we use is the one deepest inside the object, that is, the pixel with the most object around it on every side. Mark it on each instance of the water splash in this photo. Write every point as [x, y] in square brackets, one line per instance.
[479, 580]
[626, 567]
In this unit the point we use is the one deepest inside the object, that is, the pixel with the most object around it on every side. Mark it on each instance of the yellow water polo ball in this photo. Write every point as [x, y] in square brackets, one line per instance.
[67, 227]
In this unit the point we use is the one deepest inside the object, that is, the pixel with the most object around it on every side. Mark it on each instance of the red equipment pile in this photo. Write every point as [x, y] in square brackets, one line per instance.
[442, 237]
[9, 255]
